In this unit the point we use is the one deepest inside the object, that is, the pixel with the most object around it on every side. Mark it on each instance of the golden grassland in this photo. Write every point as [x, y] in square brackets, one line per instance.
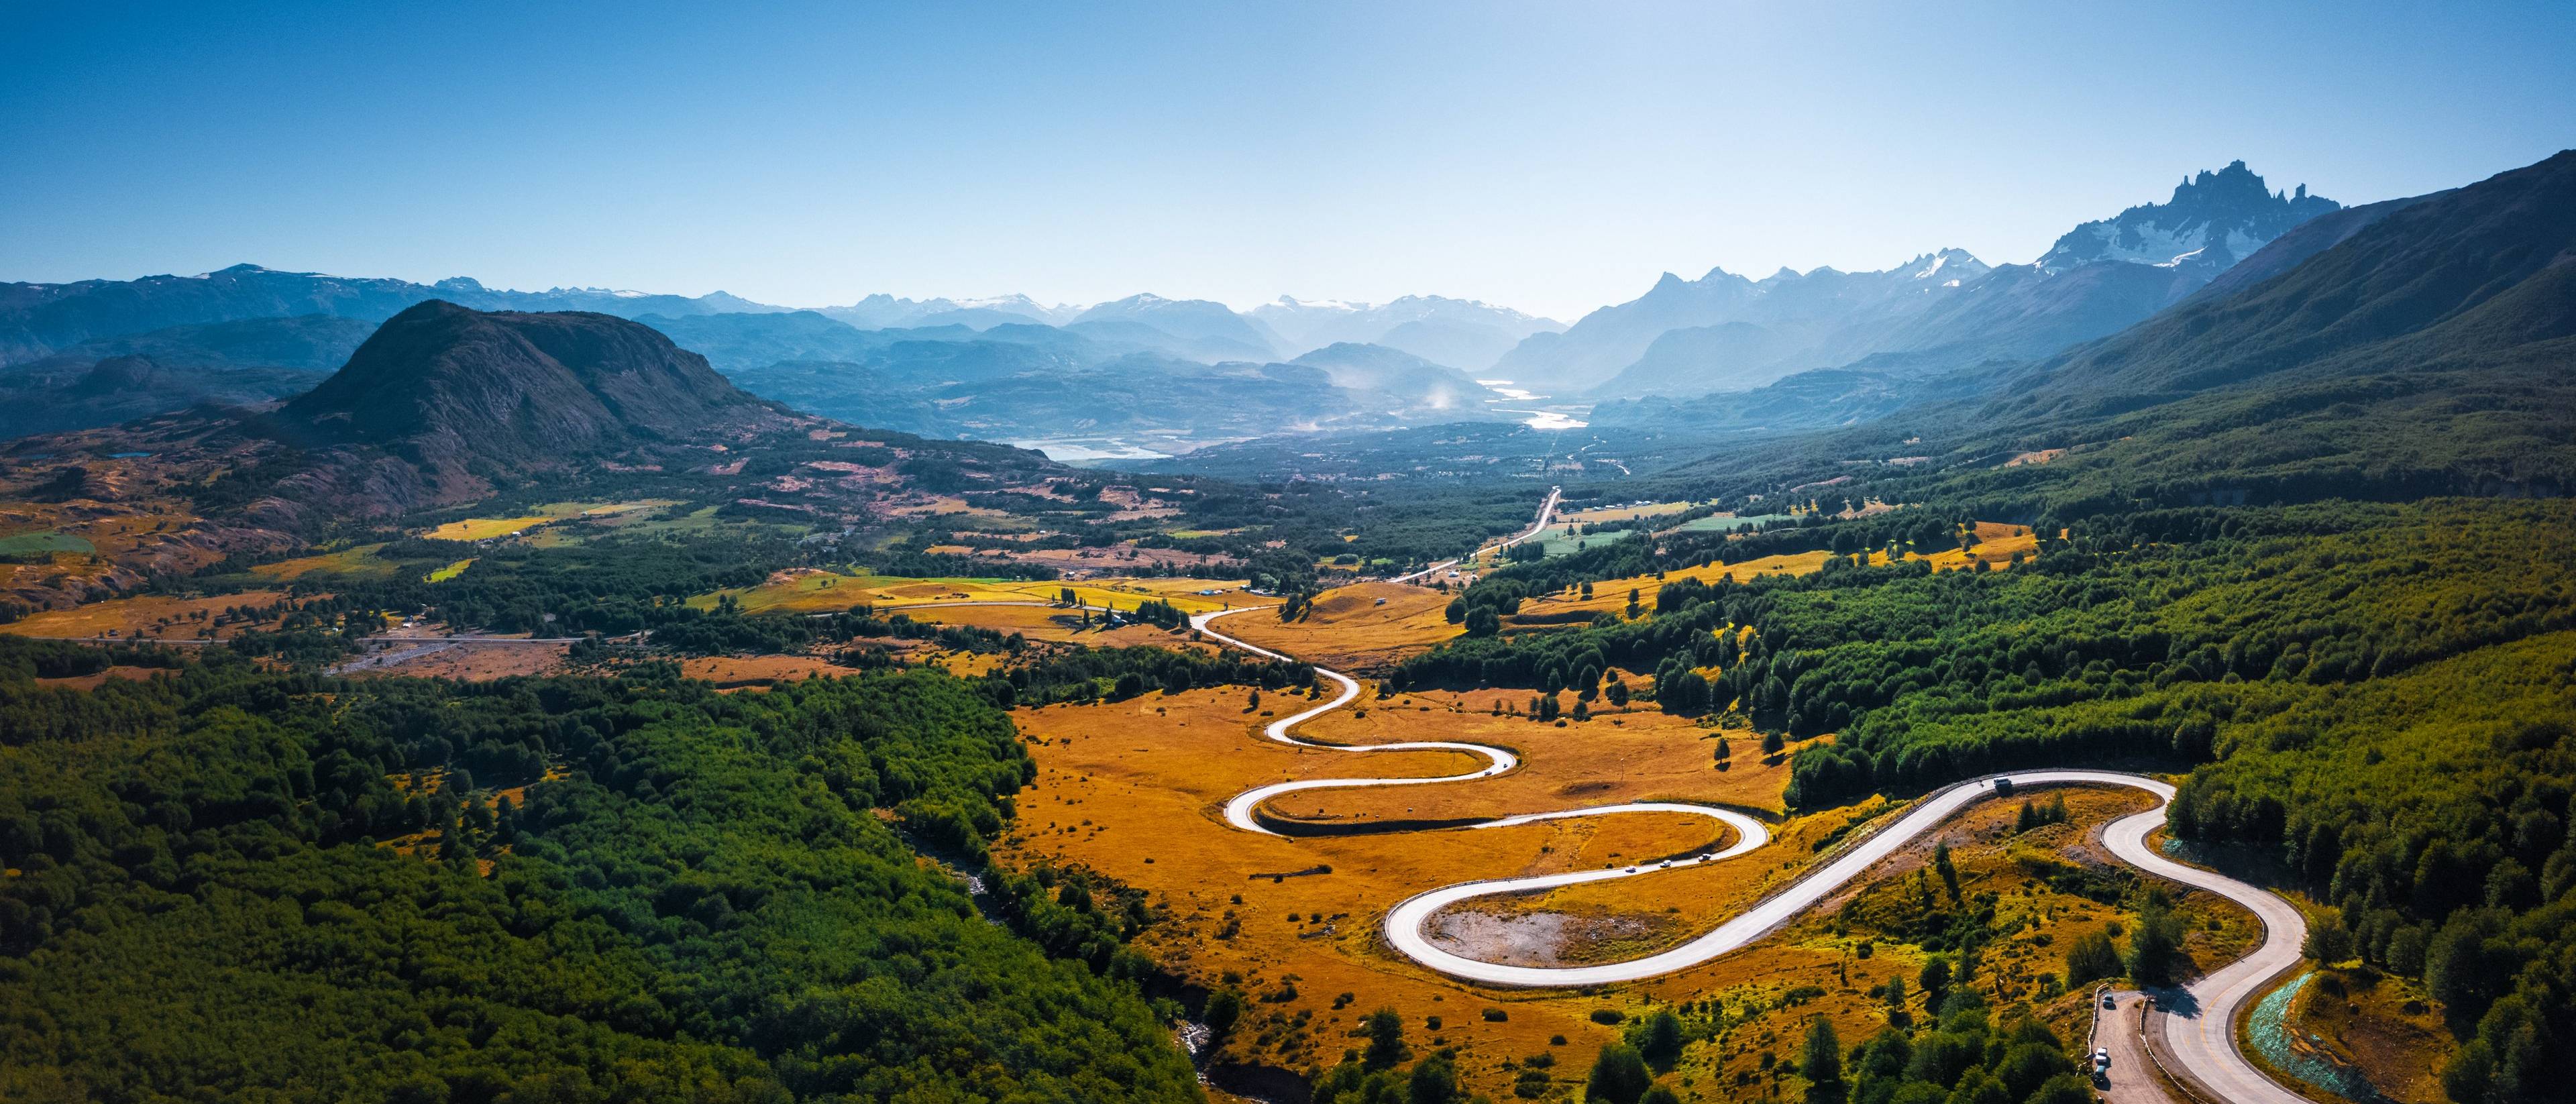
[1347, 628]
[450, 571]
[145, 615]
[474, 529]
[815, 591]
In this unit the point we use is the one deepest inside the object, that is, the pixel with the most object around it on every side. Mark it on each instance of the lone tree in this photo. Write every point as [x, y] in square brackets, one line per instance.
[1822, 1061]
[1224, 1007]
[1619, 1076]
[1386, 1039]
[2155, 955]
[1659, 1040]
[2092, 958]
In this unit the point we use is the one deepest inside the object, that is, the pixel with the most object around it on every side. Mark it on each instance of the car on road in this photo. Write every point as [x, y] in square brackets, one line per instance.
[2109, 1001]
[2101, 1060]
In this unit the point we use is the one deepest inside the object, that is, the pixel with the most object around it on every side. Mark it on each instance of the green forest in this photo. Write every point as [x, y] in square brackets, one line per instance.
[235, 883]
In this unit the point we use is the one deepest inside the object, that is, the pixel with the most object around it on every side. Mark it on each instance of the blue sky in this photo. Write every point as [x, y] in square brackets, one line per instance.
[1547, 157]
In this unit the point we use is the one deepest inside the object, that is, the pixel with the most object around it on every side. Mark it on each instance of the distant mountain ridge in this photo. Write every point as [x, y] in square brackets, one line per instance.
[1942, 310]
[237, 363]
[39, 319]
[1460, 333]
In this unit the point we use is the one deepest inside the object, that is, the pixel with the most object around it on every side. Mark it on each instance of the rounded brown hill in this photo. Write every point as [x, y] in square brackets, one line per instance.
[449, 383]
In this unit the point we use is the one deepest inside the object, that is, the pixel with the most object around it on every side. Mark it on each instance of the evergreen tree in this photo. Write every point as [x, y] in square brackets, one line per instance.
[1619, 1076]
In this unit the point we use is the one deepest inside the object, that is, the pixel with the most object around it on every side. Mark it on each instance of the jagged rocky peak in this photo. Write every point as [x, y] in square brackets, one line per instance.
[2213, 220]
[1946, 266]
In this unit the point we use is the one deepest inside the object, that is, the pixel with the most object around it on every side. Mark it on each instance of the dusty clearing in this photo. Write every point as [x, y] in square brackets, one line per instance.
[474, 662]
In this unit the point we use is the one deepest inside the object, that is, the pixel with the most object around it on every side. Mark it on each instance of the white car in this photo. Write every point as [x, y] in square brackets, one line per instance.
[2101, 1059]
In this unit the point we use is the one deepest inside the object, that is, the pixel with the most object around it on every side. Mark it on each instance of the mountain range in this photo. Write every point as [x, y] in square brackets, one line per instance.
[1193, 368]
[2413, 347]
[1461, 333]
[1092, 376]
[1941, 310]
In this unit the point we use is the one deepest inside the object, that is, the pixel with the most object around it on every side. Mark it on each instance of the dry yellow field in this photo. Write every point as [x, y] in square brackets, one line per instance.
[814, 591]
[474, 529]
[360, 560]
[144, 615]
[1348, 629]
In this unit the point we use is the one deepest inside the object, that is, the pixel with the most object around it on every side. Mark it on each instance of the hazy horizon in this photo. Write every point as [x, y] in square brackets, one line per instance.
[1547, 160]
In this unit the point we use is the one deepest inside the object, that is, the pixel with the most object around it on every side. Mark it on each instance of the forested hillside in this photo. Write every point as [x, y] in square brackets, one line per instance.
[705, 898]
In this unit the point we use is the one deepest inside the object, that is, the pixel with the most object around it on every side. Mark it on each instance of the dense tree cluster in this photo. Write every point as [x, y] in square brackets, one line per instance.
[631, 889]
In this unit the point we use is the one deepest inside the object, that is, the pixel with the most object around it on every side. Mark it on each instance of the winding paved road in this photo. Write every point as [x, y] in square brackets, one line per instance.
[1546, 510]
[2203, 1042]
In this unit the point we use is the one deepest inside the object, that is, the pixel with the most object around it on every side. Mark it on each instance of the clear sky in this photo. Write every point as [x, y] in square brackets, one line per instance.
[1548, 157]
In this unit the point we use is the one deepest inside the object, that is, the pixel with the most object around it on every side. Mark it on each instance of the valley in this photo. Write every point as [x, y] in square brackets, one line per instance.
[2131, 660]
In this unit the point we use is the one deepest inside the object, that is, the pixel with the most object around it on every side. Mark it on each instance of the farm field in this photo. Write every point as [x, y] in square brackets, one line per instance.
[361, 560]
[474, 529]
[1725, 523]
[1622, 513]
[1560, 539]
[451, 570]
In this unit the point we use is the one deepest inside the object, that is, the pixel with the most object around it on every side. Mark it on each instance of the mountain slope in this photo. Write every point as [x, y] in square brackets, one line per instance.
[2484, 271]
